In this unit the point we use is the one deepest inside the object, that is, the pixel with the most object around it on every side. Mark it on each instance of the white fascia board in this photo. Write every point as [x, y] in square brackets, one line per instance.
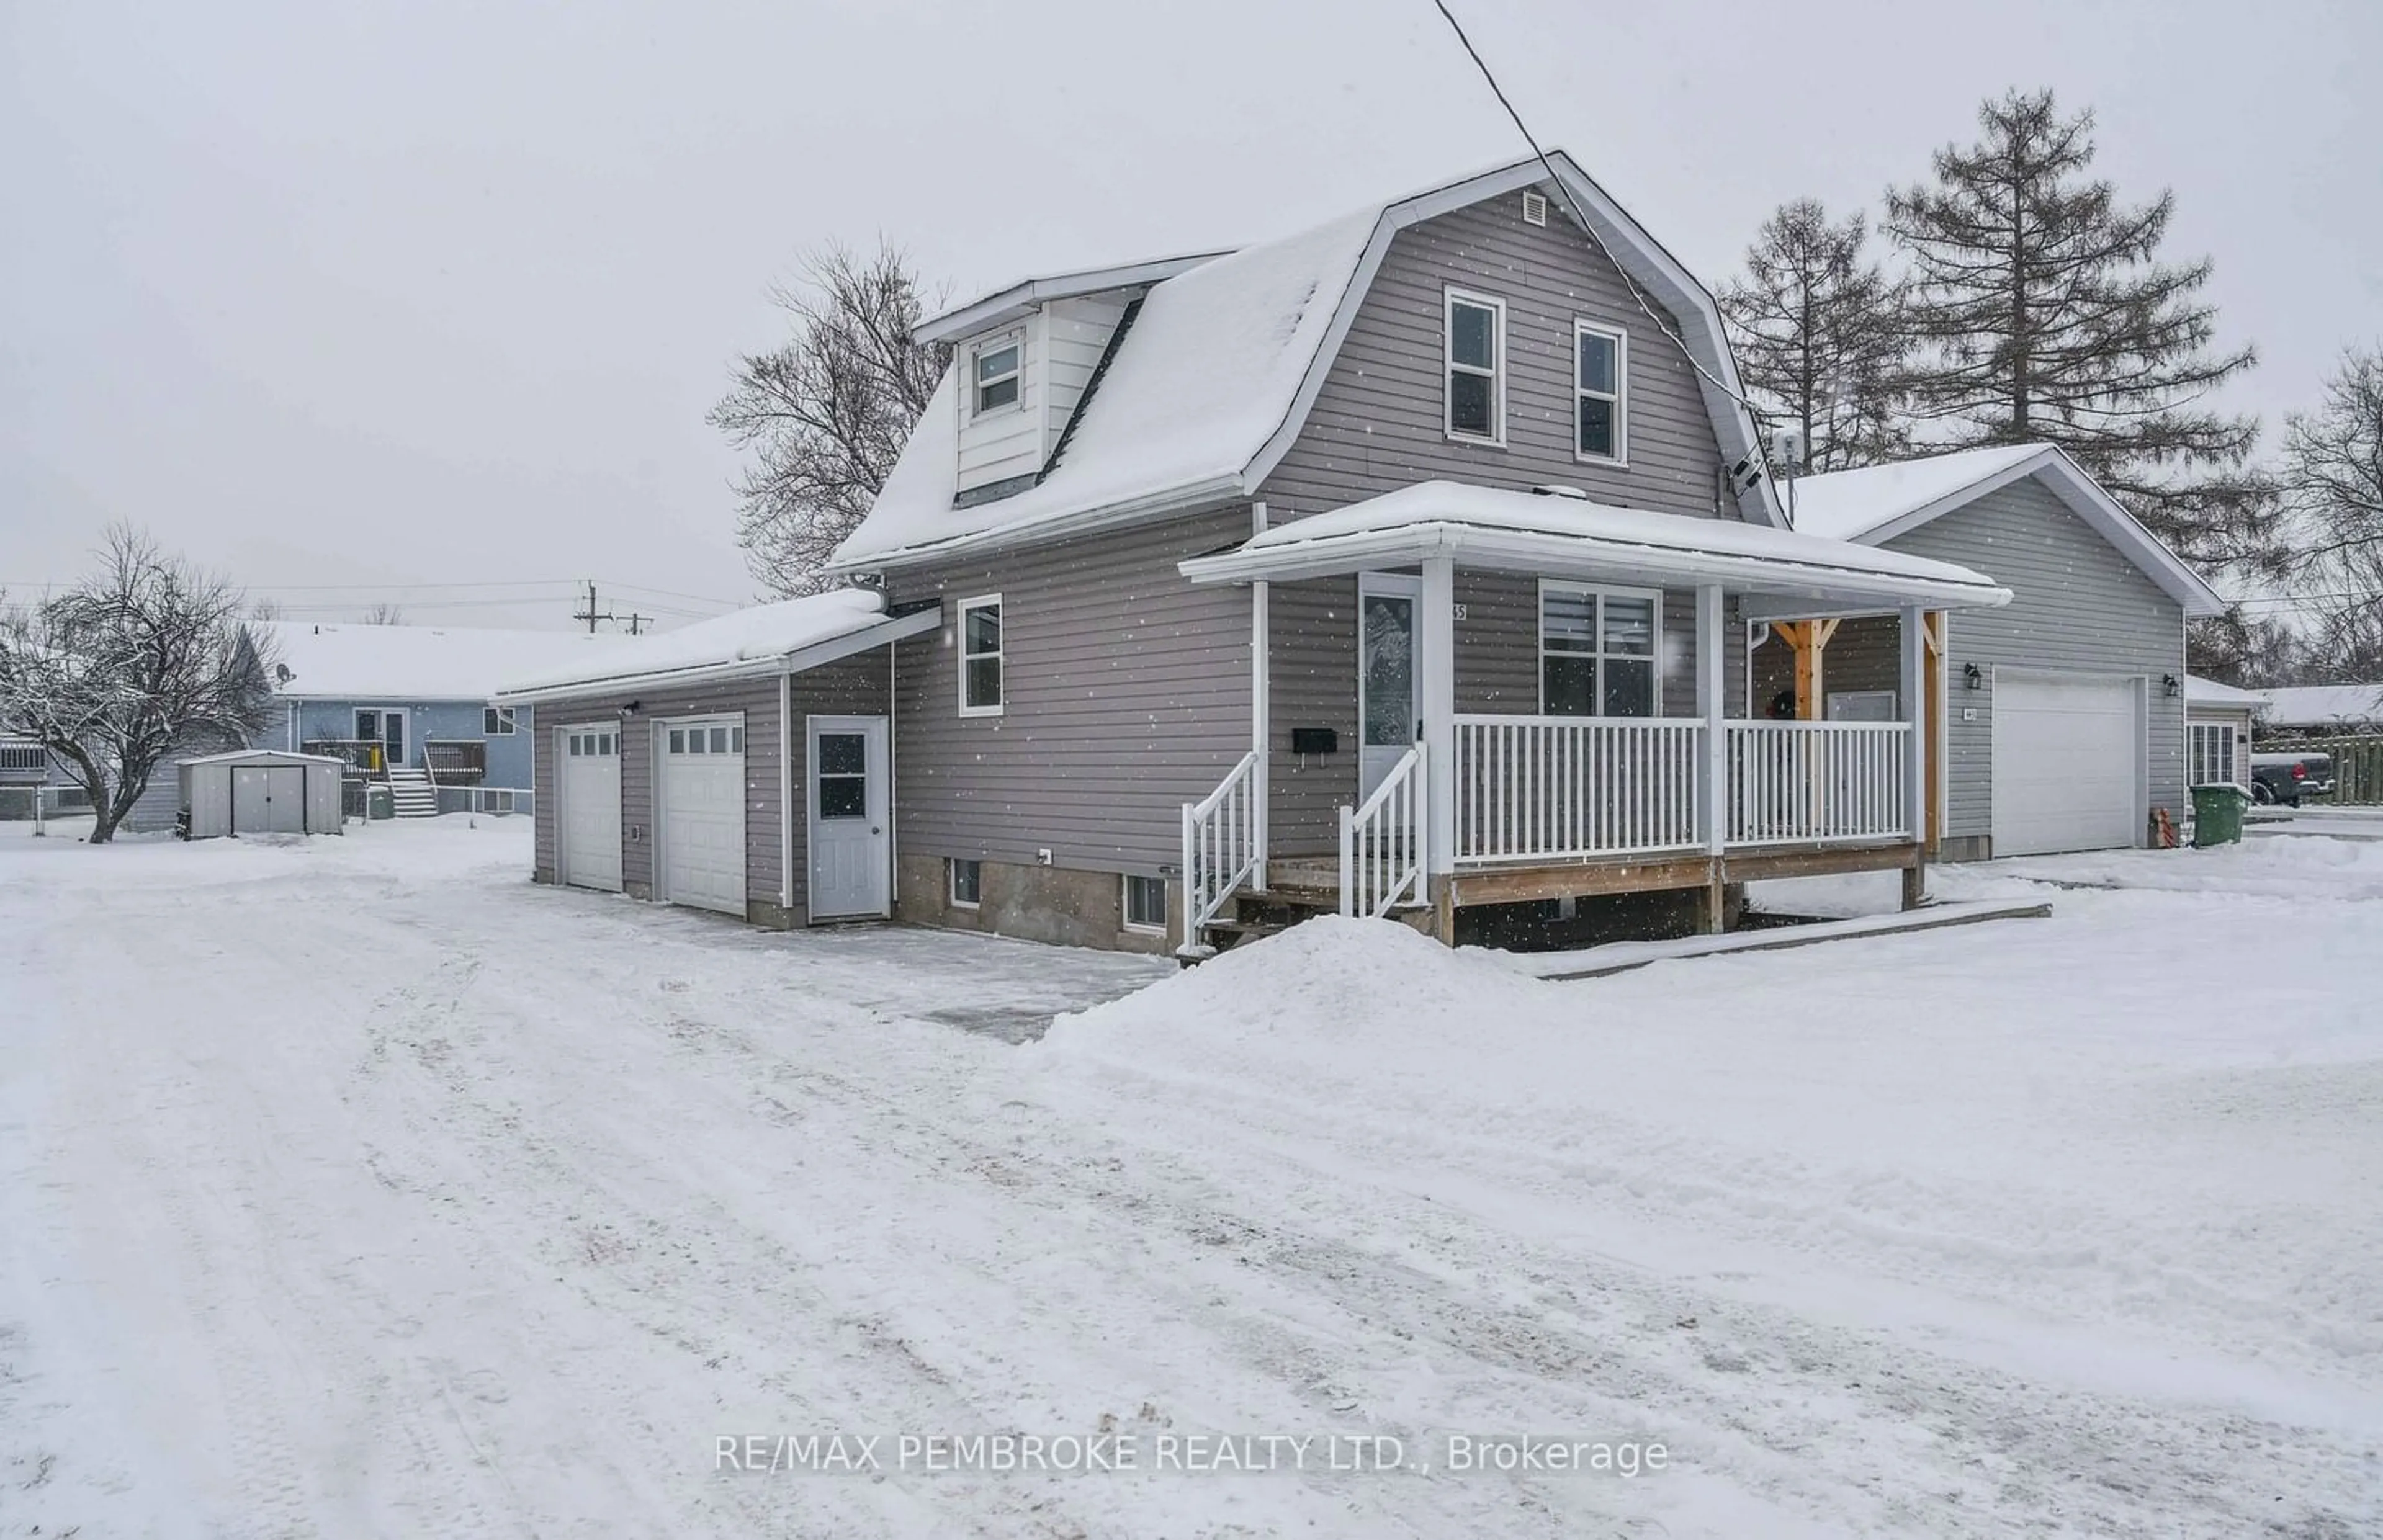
[1006, 305]
[867, 639]
[2084, 496]
[1800, 586]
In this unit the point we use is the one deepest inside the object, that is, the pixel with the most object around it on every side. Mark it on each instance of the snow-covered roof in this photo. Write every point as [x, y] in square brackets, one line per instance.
[266, 757]
[791, 633]
[2209, 692]
[1211, 384]
[415, 663]
[1012, 301]
[1878, 502]
[2324, 705]
[1570, 536]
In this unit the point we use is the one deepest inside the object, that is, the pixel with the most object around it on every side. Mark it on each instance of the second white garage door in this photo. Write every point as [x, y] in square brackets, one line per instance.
[588, 771]
[2068, 763]
[702, 813]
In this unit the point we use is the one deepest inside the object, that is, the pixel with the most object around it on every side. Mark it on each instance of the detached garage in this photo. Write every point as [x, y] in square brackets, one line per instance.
[259, 791]
[685, 767]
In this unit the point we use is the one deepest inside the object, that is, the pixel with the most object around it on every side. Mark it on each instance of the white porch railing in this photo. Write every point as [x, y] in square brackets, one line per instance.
[1220, 845]
[1382, 843]
[1540, 788]
[1796, 782]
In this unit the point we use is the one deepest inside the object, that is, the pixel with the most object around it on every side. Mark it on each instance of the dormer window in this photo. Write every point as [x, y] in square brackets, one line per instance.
[996, 367]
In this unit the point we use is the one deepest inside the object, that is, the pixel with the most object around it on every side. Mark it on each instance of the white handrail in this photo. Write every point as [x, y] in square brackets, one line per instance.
[1382, 841]
[1552, 788]
[1793, 782]
[1221, 848]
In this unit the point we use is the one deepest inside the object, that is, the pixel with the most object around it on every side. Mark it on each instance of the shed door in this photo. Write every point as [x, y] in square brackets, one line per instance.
[851, 818]
[702, 812]
[588, 760]
[2068, 763]
[269, 799]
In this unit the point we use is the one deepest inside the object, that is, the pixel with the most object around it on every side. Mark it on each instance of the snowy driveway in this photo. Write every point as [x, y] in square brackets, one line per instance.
[360, 1188]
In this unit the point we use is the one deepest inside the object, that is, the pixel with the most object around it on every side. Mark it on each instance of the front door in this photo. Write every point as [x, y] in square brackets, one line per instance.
[851, 823]
[1386, 699]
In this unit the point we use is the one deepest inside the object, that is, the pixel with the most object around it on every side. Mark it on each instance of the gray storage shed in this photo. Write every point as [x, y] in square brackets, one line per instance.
[259, 791]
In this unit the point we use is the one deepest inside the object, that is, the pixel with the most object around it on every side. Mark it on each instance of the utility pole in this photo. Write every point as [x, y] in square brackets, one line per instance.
[635, 622]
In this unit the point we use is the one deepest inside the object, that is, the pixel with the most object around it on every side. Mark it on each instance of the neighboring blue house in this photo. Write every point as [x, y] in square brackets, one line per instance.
[409, 705]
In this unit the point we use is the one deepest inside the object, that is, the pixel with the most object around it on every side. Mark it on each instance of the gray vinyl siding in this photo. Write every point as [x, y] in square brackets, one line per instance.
[1379, 421]
[1126, 694]
[2078, 606]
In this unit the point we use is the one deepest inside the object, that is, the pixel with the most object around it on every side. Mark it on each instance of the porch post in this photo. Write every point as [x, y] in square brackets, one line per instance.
[1710, 696]
[1261, 705]
[1436, 699]
[1913, 650]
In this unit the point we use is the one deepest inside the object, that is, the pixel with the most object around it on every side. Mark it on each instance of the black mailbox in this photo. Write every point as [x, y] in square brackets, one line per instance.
[1314, 740]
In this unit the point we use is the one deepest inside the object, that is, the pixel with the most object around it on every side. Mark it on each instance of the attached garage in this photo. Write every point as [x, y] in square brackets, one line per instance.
[2068, 762]
[700, 811]
[259, 791]
[587, 760]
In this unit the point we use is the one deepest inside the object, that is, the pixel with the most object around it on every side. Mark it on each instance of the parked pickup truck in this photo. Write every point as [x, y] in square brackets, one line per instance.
[2287, 777]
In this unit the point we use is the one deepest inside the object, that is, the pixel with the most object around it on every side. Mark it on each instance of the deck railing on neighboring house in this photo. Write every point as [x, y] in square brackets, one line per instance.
[363, 757]
[18, 758]
[455, 761]
[1817, 782]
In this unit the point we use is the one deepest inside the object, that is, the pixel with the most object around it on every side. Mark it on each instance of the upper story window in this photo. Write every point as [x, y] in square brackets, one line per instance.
[1600, 372]
[981, 657]
[993, 367]
[496, 722]
[1598, 650]
[1477, 367]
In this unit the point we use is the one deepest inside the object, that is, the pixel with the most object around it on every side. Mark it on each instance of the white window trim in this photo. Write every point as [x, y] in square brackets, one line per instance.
[978, 350]
[1124, 909]
[1619, 458]
[1602, 591]
[1450, 299]
[2229, 760]
[960, 643]
[952, 865]
[507, 723]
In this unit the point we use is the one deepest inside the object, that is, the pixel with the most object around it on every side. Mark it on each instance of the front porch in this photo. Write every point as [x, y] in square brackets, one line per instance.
[1443, 807]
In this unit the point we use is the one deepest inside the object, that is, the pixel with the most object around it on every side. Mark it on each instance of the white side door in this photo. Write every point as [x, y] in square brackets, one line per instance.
[702, 812]
[2068, 762]
[588, 772]
[851, 823]
[1385, 674]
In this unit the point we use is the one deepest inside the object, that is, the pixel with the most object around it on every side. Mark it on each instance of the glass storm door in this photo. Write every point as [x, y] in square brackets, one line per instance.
[1386, 699]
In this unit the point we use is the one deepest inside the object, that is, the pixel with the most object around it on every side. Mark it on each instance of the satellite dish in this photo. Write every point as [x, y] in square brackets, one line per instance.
[281, 674]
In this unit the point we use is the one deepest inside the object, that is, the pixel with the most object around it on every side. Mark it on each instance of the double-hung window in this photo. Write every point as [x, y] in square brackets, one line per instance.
[1600, 366]
[994, 369]
[1477, 367]
[1599, 650]
[980, 637]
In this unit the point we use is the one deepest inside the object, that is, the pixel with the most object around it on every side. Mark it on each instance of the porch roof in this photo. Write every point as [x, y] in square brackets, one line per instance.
[1780, 571]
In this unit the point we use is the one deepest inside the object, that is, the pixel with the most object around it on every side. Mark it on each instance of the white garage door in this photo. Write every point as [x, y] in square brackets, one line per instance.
[590, 761]
[2068, 763]
[702, 813]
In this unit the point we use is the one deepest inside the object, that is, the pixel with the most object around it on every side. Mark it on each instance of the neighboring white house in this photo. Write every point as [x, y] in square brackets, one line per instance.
[2306, 709]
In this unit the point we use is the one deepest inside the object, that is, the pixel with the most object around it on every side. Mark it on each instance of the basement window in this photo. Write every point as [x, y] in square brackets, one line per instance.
[968, 883]
[1145, 905]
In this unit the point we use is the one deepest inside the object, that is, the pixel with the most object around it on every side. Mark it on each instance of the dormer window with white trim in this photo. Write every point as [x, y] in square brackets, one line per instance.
[1476, 336]
[995, 367]
[1600, 373]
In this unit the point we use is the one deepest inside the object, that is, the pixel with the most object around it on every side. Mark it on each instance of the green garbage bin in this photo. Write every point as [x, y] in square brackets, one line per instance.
[2217, 815]
[380, 803]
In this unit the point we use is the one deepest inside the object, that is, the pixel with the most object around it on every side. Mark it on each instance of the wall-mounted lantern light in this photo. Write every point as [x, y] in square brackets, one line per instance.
[1973, 676]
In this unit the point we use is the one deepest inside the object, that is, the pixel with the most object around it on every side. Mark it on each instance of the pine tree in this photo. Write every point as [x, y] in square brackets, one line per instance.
[1819, 338]
[2042, 315]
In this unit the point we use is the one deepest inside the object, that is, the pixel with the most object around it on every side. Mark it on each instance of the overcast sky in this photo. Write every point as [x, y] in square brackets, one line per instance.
[335, 294]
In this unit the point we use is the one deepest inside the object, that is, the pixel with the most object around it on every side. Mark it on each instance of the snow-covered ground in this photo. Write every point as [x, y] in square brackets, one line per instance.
[361, 1188]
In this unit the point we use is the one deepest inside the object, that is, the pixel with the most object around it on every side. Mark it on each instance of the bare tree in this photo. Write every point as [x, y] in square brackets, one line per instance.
[2333, 484]
[2044, 314]
[147, 656]
[384, 614]
[825, 416]
[1820, 338]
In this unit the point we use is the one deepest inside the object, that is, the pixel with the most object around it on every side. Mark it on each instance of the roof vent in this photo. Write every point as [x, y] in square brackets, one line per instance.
[1557, 490]
[1534, 208]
